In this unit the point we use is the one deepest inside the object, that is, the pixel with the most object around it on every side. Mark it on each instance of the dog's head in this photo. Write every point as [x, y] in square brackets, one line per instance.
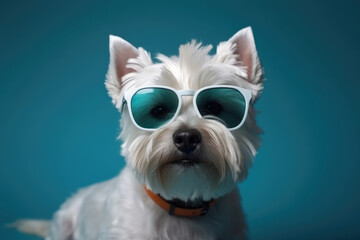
[177, 146]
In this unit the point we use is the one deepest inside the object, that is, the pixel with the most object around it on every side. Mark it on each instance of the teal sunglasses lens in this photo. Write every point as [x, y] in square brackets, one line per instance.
[226, 105]
[154, 107]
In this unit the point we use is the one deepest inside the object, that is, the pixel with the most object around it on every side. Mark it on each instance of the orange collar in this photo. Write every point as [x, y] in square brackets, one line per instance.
[177, 211]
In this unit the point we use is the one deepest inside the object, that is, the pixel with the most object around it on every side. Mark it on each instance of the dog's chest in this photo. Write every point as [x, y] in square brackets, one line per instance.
[131, 214]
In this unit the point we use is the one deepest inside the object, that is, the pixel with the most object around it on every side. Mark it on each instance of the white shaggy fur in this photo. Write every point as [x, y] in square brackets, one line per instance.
[120, 208]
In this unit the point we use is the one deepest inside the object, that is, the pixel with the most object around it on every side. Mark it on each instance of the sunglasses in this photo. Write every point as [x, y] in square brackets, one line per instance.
[154, 106]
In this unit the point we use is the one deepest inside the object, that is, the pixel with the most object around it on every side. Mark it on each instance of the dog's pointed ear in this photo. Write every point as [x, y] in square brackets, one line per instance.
[120, 53]
[247, 55]
[242, 45]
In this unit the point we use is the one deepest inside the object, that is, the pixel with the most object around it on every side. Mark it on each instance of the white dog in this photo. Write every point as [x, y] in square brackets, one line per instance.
[189, 136]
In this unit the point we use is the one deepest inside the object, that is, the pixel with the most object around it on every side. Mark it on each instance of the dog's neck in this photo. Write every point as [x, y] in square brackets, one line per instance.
[181, 208]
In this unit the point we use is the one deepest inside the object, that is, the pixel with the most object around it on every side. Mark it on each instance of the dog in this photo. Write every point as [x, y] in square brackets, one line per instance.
[188, 135]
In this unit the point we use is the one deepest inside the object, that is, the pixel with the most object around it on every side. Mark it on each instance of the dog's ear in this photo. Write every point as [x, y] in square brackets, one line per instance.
[120, 53]
[242, 44]
[247, 55]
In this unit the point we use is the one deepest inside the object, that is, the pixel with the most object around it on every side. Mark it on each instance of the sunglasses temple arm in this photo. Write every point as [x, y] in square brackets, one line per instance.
[122, 104]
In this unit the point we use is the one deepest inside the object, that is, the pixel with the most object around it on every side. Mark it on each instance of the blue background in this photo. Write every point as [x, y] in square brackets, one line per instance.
[58, 127]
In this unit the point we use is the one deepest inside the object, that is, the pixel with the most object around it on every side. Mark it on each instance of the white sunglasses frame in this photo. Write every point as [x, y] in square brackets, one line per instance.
[189, 92]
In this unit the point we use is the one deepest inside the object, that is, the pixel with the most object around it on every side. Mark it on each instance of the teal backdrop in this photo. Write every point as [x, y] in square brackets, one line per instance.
[58, 127]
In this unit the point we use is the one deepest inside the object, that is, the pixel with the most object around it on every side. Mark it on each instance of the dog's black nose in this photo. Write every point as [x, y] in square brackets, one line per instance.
[186, 140]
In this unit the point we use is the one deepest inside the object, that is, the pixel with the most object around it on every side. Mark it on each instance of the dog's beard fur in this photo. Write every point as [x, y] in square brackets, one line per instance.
[154, 157]
[223, 157]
